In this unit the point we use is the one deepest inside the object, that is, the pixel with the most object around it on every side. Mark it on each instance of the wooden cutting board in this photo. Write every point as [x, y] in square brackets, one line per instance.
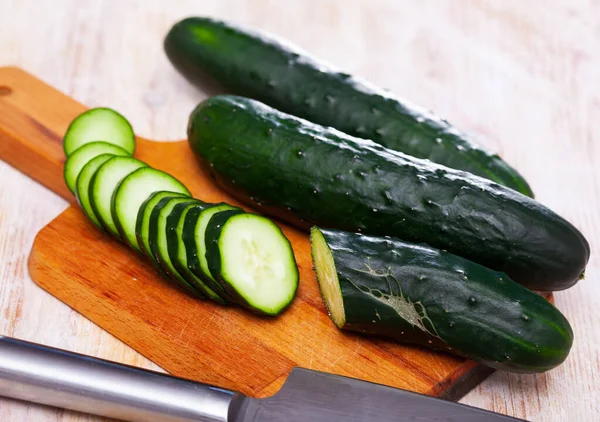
[118, 290]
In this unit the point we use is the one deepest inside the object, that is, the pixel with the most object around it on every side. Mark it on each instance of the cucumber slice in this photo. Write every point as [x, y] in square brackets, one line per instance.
[82, 190]
[194, 229]
[131, 194]
[177, 251]
[253, 260]
[75, 162]
[99, 124]
[104, 183]
[143, 219]
[157, 236]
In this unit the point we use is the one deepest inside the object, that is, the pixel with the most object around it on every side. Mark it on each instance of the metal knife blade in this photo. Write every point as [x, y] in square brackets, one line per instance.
[55, 377]
[314, 396]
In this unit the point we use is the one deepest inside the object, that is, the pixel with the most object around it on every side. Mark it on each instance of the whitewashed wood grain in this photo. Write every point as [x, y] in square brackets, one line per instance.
[525, 76]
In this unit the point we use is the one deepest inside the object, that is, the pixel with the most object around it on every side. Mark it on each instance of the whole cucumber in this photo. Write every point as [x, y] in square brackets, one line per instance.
[262, 67]
[312, 175]
[420, 295]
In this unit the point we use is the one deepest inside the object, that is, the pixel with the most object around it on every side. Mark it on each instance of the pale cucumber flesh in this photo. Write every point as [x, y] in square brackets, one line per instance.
[131, 194]
[203, 220]
[257, 262]
[99, 124]
[104, 183]
[83, 185]
[83, 155]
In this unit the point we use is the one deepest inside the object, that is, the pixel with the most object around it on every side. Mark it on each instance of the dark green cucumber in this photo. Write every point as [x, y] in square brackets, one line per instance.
[308, 174]
[157, 237]
[264, 68]
[417, 294]
[177, 252]
[252, 259]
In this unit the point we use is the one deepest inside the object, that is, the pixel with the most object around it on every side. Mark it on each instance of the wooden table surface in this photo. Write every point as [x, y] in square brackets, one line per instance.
[524, 76]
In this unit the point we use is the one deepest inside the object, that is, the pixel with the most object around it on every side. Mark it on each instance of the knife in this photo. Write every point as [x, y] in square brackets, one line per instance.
[55, 377]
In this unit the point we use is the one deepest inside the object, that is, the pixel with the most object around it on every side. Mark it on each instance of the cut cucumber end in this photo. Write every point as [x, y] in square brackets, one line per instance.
[257, 262]
[327, 277]
[83, 155]
[99, 124]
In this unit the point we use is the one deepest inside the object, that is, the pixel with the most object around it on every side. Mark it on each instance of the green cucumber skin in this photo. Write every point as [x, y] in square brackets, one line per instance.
[211, 239]
[311, 175]
[261, 67]
[189, 240]
[475, 311]
[155, 255]
[173, 246]
[139, 220]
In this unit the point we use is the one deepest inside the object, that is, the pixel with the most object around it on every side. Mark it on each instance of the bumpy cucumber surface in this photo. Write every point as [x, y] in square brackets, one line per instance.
[99, 124]
[82, 187]
[309, 174]
[262, 67]
[104, 183]
[80, 158]
[253, 260]
[417, 294]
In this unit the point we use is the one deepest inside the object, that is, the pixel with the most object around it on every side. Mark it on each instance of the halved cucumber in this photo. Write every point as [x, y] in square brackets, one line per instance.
[82, 187]
[75, 162]
[99, 124]
[157, 236]
[177, 251]
[131, 194]
[142, 224]
[194, 228]
[253, 260]
[104, 183]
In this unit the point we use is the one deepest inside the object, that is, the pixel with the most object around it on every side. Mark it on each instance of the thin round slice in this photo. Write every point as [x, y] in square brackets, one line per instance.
[75, 162]
[158, 239]
[177, 252]
[131, 194]
[142, 223]
[102, 124]
[83, 186]
[104, 183]
[253, 260]
[194, 228]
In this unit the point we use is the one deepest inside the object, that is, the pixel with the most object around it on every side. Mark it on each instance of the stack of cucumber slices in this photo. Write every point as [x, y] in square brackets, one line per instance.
[212, 251]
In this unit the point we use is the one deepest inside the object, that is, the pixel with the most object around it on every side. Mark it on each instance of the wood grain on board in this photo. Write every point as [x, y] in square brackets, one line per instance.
[118, 290]
[522, 75]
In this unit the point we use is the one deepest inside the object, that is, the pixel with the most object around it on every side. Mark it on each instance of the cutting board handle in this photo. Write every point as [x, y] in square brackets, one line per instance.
[33, 118]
